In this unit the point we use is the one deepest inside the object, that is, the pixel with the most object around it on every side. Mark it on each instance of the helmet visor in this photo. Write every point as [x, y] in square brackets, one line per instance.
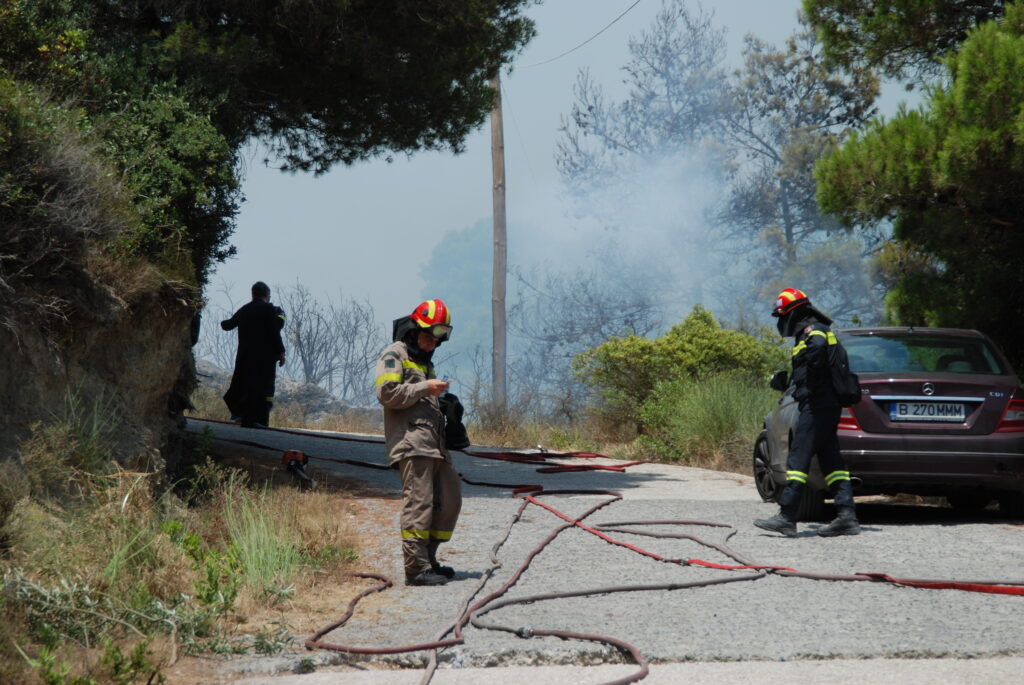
[439, 331]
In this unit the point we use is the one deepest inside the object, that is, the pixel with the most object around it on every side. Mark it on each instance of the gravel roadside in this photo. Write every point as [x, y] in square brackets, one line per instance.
[765, 626]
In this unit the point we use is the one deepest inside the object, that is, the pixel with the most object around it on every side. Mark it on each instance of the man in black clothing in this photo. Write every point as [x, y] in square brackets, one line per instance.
[259, 324]
[813, 355]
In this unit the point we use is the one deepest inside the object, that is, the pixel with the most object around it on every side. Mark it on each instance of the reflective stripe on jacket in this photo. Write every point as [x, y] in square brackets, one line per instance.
[812, 356]
[413, 421]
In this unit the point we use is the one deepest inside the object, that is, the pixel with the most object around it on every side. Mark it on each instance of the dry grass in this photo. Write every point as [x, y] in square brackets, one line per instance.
[610, 439]
[209, 404]
[734, 458]
[101, 556]
[322, 520]
[14, 488]
[129, 280]
[292, 416]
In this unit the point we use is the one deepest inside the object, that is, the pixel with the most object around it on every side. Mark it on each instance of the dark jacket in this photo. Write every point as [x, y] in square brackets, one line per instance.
[812, 357]
[259, 325]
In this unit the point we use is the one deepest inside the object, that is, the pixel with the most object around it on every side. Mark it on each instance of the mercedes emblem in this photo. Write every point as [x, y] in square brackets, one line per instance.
[928, 389]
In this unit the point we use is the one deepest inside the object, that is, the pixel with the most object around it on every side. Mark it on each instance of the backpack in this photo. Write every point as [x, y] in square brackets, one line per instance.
[845, 382]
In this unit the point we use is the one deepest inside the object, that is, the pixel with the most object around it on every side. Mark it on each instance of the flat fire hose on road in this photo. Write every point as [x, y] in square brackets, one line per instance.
[472, 613]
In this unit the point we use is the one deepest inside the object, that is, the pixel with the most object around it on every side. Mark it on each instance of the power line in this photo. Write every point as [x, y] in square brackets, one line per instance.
[519, 135]
[547, 61]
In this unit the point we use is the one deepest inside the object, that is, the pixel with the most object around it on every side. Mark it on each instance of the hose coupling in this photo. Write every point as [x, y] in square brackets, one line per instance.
[525, 632]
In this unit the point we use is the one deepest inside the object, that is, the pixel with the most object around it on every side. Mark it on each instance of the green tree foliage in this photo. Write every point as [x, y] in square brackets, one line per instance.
[165, 158]
[901, 37]
[175, 89]
[625, 370]
[787, 109]
[180, 173]
[949, 175]
[332, 81]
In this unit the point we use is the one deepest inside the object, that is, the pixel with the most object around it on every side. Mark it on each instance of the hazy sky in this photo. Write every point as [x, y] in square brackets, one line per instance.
[353, 230]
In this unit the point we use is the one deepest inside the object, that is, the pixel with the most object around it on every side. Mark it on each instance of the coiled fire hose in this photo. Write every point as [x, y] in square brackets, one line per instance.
[472, 612]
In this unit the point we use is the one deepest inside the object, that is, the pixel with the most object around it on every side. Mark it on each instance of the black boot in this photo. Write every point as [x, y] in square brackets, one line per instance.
[780, 523]
[435, 565]
[845, 523]
[425, 578]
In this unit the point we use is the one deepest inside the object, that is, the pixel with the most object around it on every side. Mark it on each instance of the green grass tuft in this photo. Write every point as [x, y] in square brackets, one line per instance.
[711, 422]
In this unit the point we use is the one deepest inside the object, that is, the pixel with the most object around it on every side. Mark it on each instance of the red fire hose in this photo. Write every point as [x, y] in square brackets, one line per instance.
[530, 494]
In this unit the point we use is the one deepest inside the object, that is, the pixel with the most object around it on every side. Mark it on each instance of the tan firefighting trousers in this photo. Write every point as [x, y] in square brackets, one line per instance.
[432, 500]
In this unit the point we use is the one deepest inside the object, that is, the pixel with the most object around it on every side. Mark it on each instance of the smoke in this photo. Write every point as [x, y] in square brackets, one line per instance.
[653, 223]
[631, 257]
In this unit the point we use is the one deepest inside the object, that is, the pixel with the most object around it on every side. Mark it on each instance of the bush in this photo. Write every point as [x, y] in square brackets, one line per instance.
[710, 422]
[625, 371]
[180, 174]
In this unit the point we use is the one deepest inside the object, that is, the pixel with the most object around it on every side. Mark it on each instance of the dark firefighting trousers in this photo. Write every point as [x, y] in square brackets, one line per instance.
[432, 498]
[251, 393]
[815, 433]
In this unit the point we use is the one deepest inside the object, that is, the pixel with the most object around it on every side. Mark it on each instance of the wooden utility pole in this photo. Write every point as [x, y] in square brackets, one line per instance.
[499, 273]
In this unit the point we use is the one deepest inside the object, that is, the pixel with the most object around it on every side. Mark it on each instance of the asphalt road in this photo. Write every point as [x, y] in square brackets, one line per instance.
[755, 628]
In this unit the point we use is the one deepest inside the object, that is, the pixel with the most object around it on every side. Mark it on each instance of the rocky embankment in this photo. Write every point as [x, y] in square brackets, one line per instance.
[120, 361]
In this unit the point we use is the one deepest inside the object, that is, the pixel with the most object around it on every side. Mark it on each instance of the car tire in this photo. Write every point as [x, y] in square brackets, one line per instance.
[812, 505]
[1011, 505]
[970, 502]
[764, 478]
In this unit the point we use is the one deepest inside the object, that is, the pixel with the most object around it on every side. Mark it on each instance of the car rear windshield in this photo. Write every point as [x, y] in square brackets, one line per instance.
[893, 353]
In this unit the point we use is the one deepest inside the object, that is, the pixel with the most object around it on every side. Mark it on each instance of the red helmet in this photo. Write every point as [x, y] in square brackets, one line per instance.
[433, 317]
[788, 300]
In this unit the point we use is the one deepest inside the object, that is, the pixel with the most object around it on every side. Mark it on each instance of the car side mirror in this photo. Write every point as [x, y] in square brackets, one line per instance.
[779, 381]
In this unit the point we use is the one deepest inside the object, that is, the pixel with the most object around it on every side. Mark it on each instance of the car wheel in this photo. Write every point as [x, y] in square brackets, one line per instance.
[767, 488]
[1011, 505]
[969, 502]
[812, 505]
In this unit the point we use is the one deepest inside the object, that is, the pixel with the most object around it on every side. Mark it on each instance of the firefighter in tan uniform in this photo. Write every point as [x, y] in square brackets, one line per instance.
[414, 439]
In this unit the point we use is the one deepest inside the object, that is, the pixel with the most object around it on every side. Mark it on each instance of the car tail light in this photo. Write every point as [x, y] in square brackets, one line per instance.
[848, 420]
[1013, 418]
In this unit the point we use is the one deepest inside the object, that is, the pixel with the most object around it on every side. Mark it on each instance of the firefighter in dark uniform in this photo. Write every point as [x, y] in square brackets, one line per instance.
[260, 349]
[813, 355]
[414, 427]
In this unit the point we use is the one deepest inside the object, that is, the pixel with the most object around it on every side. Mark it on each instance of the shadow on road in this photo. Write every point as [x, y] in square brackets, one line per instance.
[895, 513]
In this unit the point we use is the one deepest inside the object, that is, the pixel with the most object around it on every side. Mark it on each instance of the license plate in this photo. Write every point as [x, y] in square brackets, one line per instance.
[927, 411]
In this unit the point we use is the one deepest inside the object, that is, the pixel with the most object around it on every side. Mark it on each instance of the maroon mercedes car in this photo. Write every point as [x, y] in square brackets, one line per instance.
[942, 413]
